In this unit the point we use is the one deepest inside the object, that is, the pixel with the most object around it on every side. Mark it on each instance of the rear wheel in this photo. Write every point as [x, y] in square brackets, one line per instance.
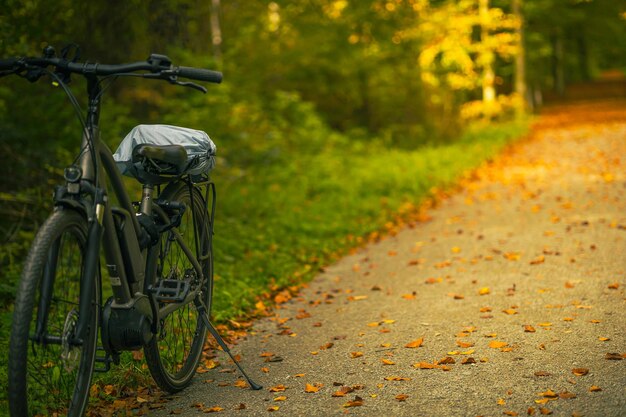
[173, 354]
[48, 373]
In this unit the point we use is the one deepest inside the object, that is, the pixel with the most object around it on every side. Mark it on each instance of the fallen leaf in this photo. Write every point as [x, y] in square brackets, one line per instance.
[548, 394]
[497, 344]
[424, 365]
[580, 371]
[538, 260]
[484, 291]
[447, 361]
[531, 411]
[544, 411]
[357, 402]
[409, 296]
[542, 373]
[546, 324]
[510, 413]
[278, 388]
[613, 357]
[312, 388]
[512, 256]
[594, 388]
[396, 378]
[464, 344]
[241, 384]
[356, 354]
[509, 311]
[529, 329]
[603, 339]
[273, 408]
[401, 397]
[567, 395]
[614, 286]
[281, 398]
[387, 362]
[215, 409]
[485, 309]
[415, 344]
[468, 361]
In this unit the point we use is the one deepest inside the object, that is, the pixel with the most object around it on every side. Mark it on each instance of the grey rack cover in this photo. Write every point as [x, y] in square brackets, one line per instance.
[200, 148]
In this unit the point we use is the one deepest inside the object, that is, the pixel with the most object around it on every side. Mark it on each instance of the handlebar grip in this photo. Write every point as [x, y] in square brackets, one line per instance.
[200, 74]
[8, 63]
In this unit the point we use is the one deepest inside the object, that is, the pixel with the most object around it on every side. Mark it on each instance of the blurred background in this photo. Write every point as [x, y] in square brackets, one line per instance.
[333, 117]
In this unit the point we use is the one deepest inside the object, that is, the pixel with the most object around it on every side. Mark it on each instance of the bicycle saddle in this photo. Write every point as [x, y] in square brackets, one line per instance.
[174, 156]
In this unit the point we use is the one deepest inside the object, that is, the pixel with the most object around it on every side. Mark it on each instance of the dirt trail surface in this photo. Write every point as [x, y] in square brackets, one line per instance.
[512, 295]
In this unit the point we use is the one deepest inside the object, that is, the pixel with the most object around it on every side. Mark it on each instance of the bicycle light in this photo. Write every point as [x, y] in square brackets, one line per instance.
[72, 174]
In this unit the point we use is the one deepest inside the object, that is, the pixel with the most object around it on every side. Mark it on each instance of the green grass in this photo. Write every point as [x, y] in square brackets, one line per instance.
[279, 224]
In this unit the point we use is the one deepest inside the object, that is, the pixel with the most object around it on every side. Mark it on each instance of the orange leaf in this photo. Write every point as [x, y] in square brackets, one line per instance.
[401, 397]
[356, 354]
[497, 345]
[311, 388]
[357, 402]
[241, 384]
[614, 286]
[409, 296]
[549, 394]
[510, 311]
[529, 329]
[464, 344]
[415, 344]
[425, 365]
[278, 388]
[580, 371]
[281, 398]
[388, 362]
[484, 291]
[273, 408]
[594, 388]
[215, 409]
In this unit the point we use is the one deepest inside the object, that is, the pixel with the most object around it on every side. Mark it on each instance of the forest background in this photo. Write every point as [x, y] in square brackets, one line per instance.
[334, 120]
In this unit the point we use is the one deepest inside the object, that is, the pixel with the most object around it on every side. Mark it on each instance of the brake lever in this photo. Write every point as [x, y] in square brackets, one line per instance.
[189, 84]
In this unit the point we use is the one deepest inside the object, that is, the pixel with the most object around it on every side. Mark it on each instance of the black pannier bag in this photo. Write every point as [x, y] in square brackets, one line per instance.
[160, 153]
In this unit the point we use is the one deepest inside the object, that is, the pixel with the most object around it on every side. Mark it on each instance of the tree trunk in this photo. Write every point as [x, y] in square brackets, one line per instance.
[489, 91]
[520, 59]
[558, 75]
[216, 31]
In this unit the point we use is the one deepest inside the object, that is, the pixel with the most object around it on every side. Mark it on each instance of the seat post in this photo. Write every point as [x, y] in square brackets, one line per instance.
[146, 199]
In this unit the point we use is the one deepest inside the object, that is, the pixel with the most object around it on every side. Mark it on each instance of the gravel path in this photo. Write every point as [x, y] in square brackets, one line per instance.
[513, 290]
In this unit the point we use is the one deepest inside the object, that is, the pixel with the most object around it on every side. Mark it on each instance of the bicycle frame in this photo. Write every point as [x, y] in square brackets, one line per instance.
[125, 260]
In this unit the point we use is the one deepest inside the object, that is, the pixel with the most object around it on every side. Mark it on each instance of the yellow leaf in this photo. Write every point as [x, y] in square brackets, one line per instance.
[356, 354]
[273, 408]
[603, 339]
[510, 311]
[484, 291]
[281, 398]
[497, 344]
[387, 362]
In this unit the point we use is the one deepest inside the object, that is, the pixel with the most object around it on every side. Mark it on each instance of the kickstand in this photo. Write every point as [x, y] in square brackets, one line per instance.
[205, 318]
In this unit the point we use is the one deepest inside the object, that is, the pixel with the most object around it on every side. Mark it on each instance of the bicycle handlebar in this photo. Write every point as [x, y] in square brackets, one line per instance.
[87, 68]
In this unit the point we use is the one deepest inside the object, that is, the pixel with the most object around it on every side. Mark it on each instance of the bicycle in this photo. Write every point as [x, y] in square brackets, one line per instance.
[157, 252]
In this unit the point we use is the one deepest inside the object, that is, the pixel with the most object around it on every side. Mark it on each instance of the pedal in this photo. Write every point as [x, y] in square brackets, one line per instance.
[103, 363]
[170, 290]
